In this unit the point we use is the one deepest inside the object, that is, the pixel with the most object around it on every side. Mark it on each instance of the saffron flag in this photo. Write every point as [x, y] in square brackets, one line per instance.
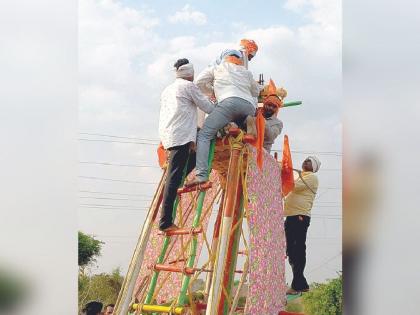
[287, 180]
[161, 155]
[260, 122]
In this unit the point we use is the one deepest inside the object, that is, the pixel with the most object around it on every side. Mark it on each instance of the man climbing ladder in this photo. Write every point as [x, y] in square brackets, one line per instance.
[178, 131]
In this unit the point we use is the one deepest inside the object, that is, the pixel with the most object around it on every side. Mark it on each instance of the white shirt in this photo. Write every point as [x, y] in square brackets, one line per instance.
[229, 80]
[178, 112]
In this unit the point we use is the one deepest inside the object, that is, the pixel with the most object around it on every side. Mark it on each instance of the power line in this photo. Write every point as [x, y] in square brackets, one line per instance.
[116, 164]
[113, 136]
[156, 141]
[113, 208]
[325, 262]
[117, 141]
[112, 193]
[106, 198]
[154, 166]
[333, 153]
[155, 183]
[117, 180]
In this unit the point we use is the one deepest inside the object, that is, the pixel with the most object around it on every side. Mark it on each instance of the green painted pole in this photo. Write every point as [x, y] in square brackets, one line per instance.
[166, 242]
[182, 300]
[289, 104]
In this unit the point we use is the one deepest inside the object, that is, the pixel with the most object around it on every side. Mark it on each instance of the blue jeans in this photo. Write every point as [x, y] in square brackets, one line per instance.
[230, 109]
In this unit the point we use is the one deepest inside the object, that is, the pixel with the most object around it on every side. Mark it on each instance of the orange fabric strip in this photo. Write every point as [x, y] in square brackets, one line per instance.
[161, 155]
[287, 180]
[235, 60]
[260, 122]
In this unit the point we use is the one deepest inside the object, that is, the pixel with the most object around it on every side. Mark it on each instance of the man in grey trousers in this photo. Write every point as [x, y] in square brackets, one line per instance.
[236, 92]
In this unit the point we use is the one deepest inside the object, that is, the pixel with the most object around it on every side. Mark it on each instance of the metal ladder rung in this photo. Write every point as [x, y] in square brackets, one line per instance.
[160, 308]
[182, 231]
[199, 187]
[185, 270]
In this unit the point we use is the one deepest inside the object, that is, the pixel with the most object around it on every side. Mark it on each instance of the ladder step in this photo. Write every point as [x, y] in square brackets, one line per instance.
[177, 261]
[186, 270]
[249, 138]
[183, 231]
[234, 131]
[200, 187]
[159, 308]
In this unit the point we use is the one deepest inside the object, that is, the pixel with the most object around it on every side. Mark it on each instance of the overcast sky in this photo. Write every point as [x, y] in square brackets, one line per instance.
[126, 50]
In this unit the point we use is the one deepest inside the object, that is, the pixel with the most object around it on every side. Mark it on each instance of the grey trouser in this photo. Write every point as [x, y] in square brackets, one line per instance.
[230, 109]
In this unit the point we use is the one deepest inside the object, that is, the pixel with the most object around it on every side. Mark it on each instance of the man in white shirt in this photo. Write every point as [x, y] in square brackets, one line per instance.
[248, 46]
[236, 91]
[178, 131]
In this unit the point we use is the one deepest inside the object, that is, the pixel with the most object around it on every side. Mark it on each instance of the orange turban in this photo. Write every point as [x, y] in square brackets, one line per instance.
[250, 46]
[273, 99]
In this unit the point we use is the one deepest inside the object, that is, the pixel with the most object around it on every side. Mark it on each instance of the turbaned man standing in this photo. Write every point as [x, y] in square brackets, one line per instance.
[297, 208]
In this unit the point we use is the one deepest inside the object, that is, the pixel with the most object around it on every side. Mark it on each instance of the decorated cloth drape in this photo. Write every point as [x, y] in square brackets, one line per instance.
[266, 288]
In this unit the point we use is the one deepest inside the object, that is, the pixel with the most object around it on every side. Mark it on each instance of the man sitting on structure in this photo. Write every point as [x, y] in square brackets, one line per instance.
[178, 132]
[248, 46]
[273, 125]
[236, 91]
[272, 99]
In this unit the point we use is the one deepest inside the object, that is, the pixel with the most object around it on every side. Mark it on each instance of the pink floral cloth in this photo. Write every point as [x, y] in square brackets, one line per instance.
[171, 287]
[266, 288]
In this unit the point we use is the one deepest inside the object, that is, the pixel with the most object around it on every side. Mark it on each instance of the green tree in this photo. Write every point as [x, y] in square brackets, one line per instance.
[89, 249]
[103, 287]
[325, 298]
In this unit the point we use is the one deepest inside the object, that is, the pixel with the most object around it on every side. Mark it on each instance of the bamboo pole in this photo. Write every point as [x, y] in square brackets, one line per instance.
[232, 253]
[125, 295]
[214, 243]
[193, 249]
[229, 206]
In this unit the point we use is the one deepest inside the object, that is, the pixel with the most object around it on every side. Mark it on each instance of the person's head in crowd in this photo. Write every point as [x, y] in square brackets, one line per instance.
[109, 309]
[92, 308]
[271, 105]
[311, 164]
[184, 69]
[250, 47]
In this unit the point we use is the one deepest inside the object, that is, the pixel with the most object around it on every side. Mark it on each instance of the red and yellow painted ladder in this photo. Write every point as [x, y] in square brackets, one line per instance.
[223, 251]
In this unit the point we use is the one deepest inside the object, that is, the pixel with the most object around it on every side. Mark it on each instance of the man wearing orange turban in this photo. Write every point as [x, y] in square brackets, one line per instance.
[273, 125]
[250, 47]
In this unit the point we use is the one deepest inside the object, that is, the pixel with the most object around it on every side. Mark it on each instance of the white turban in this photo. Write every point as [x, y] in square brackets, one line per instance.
[185, 71]
[316, 163]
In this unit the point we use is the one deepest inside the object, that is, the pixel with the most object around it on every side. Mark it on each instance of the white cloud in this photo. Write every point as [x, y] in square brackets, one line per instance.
[182, 42]
[187, 15]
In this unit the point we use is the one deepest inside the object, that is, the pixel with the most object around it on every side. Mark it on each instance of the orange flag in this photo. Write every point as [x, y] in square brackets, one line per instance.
[260, 122]
[258, 143]
[161, 155]
[287, 180]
